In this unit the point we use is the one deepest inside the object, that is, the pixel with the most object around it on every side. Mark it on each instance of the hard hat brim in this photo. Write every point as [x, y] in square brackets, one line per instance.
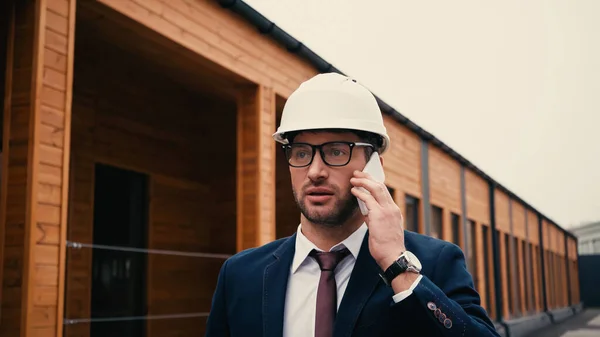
[280, 135]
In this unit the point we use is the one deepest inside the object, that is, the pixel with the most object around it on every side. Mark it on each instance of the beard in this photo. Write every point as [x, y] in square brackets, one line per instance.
[341, 211]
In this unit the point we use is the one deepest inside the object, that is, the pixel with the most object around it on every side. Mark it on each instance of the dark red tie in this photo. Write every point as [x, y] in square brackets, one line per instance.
[327, 291]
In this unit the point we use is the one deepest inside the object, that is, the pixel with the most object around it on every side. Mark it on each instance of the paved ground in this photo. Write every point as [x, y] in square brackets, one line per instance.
[585, 324]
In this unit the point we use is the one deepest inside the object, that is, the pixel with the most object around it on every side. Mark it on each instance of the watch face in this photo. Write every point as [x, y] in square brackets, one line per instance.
[412, 259]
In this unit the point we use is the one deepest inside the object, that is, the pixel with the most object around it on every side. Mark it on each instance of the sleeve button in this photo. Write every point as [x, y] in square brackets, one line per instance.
[431, 306]
[447, 323]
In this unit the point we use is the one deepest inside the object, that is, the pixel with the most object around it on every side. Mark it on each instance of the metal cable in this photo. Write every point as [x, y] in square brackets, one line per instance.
[132, 318]
[79, 245]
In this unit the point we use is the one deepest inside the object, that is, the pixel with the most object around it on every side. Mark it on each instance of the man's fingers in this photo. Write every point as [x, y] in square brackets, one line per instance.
[367, 198]
[378, 190]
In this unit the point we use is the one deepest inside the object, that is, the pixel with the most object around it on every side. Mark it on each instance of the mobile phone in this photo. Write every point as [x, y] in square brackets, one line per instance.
[375, 169]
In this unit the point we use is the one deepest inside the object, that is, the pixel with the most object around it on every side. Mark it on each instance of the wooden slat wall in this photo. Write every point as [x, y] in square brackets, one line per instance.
[178, 223]
[204, 27]
[444, 180]
[402, 165]
[123, 115]
[502, 211]
[478, 198]
[518, 219]
[478, 210]
[39, 155]
[532, 222]
[545, 234]
[402, 161]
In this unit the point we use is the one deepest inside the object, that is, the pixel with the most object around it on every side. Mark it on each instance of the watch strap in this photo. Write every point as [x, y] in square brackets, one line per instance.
[398, 267]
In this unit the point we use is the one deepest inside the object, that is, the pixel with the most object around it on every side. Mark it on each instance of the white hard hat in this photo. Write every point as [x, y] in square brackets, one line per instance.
[332, 101]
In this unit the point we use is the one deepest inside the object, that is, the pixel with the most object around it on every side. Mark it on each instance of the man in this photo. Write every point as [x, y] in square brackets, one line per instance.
[343, 273]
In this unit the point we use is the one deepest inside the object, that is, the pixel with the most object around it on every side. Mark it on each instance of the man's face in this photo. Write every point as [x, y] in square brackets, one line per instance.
[322, 192]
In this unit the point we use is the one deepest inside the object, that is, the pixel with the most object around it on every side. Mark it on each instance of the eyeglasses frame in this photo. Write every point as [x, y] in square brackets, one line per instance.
[320, 149]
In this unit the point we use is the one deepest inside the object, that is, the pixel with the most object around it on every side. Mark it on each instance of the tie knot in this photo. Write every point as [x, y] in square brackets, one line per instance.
[329, 260]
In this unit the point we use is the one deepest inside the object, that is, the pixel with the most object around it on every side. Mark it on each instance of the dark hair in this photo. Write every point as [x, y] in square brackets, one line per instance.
[365, 136]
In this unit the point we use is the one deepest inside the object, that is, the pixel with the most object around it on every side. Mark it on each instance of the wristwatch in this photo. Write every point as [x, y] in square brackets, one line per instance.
[407, 261]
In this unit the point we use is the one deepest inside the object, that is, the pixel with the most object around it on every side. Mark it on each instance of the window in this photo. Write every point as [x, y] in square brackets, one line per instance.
[538, 262]
[472, 251]
[436, 222]
[487, 266]
[517, 277]
[412, 214]
[508, 270]
[456, 230]
[528, 276]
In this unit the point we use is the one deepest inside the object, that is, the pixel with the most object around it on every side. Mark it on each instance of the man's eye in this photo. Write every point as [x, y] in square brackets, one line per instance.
[337, 152]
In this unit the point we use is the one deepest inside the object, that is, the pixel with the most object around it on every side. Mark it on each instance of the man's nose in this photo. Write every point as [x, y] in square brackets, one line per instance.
[317, 169]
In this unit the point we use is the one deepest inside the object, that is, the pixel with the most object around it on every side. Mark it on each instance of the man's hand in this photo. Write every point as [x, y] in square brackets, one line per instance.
[385, 221]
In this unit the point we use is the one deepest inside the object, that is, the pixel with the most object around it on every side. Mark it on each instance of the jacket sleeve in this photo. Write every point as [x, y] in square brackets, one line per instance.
[447, 304]
[217, 324]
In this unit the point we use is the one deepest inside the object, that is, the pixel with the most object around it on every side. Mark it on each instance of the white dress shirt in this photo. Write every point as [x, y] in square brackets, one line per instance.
[301, 295]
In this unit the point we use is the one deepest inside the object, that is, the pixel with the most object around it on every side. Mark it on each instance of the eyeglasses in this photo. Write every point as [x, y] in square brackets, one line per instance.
[332, 153]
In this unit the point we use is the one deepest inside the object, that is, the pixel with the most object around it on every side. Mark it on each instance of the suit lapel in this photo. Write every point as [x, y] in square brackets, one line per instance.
[363, 282]
[276, 276]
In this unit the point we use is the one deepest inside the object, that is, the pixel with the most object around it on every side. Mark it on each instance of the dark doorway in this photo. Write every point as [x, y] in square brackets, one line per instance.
[119, 277]
[412, 213]
[589, 274]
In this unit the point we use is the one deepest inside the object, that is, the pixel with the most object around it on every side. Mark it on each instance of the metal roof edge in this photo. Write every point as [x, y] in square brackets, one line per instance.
[267, 27]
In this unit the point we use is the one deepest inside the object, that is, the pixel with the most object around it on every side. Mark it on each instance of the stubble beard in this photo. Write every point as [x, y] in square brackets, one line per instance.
[343, 210]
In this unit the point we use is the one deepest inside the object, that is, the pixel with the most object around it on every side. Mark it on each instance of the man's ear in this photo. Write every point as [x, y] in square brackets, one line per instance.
[381, 160]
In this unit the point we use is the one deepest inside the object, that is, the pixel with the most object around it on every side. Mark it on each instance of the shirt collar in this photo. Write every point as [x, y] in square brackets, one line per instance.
[305, 246]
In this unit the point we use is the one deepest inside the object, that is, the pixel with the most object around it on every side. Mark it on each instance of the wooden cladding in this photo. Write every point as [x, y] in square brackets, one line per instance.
[221, 37]
[477, 195]
[185, 142]
[38, 113]
[402, 162]
[256, 167]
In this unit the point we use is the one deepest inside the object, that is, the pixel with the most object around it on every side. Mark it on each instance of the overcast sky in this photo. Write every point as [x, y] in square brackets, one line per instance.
[513, 86]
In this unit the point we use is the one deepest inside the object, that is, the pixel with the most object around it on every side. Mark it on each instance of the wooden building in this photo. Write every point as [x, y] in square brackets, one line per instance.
[137, 156]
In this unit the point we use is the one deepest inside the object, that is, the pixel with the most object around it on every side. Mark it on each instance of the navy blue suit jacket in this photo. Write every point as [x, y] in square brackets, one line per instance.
[251, 289]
